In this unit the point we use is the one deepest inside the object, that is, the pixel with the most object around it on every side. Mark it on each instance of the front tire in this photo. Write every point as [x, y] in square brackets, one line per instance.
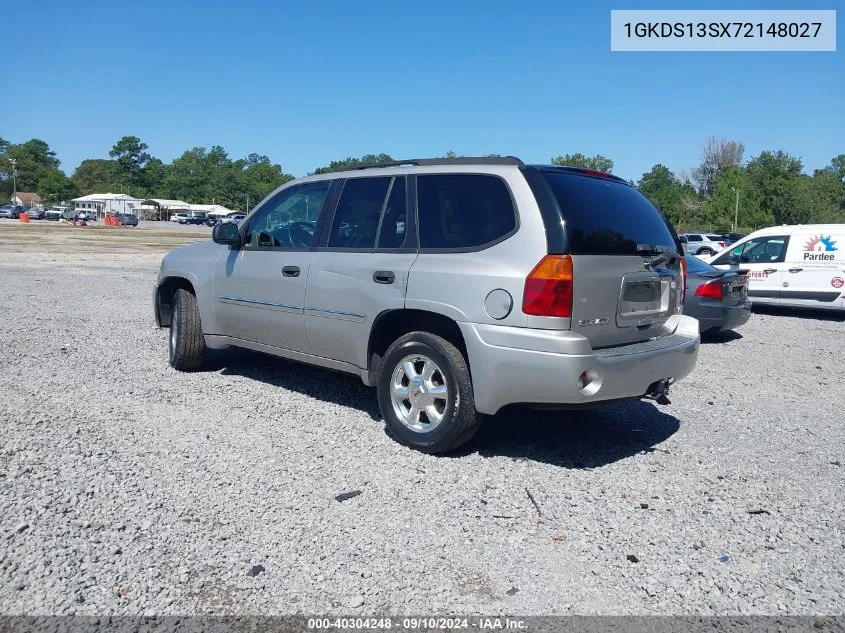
[186, 342]
[425, 394]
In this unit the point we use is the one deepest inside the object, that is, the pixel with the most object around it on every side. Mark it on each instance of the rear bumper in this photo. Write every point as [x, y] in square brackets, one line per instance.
[512, 365]
[721, 318]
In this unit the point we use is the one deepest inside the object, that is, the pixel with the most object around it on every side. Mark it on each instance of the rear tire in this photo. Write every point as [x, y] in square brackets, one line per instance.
[706, 251]
[425, 394]
[186, 342]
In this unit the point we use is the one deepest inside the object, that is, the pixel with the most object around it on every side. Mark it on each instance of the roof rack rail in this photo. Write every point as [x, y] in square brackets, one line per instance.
[459, 160]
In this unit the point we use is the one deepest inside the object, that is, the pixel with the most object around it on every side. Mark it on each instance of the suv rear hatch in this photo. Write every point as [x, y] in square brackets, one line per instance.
[626, 260]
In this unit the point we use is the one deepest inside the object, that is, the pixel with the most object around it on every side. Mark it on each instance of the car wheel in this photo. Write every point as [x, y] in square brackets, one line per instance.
[425, 393]
[706, 251]
[186, 342]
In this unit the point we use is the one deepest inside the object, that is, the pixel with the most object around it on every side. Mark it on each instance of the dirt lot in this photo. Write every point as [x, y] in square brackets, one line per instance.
[126, 487]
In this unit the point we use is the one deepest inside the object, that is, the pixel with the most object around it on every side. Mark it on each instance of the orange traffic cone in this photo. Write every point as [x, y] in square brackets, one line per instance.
[24, 217]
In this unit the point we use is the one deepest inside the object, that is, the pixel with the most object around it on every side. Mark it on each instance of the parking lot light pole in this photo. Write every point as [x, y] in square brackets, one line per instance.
[14, 162]
[736, 210]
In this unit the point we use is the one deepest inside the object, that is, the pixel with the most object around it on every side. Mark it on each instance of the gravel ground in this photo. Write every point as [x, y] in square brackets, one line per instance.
[128, 488]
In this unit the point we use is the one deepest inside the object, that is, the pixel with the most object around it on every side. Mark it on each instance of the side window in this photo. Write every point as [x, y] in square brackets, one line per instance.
[764, 250]
[463, 210]
[288, 220]
[356, 220]
[394, 222]
[695, 238]
[761, 250]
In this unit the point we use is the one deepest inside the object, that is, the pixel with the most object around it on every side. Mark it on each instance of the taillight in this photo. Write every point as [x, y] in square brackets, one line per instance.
[548, 289]
[721, 244]
[683, 280]
[710, 290]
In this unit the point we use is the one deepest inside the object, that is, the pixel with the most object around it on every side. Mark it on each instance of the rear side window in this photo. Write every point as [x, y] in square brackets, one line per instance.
[356, 220]
[695, 265]
[458, 211]
[607, 217]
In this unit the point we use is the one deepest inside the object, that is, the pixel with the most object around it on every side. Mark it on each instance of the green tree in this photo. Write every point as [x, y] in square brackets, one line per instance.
[96, 175]
[131, 157]
[261, 176]
[187, 176]
[776, 176]
[34, 159]
[721, 208]
[678, 200]
[597, 162]
[56, 188]
[155, 175]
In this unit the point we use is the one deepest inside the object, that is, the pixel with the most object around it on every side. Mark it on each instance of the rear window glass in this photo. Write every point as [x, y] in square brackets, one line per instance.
[463, 210]
[605, 217]
[695, 265]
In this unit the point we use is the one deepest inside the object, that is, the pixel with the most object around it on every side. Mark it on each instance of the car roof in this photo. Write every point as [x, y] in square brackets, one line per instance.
[794, 228]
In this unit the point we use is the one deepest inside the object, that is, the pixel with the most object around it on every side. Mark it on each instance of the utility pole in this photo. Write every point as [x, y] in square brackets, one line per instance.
[736, 210]
[14, 162]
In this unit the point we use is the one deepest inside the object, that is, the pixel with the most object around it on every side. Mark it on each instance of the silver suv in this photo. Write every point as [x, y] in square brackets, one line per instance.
[702, 243]
[454, 287]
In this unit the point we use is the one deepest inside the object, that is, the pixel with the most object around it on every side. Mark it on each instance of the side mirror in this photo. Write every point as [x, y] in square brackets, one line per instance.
[226, 233]
[734, 259]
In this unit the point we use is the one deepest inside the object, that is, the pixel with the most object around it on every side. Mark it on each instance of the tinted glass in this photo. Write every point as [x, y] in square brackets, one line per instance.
[463, 210]
[715, 238]
[395, 220]
[761, 250]
[695, 265]
[606, 217]
[289, 219]
[358, 210]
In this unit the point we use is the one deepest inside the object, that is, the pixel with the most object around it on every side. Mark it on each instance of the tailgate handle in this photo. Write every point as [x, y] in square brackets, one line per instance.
[795, 270]
[384, 277]
[290, 271]
[770, 271]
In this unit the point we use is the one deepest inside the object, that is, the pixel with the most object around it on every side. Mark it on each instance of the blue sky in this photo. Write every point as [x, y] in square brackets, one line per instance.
[306, 83]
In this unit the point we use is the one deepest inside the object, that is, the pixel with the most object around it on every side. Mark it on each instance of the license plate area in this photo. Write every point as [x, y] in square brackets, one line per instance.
[644, 298]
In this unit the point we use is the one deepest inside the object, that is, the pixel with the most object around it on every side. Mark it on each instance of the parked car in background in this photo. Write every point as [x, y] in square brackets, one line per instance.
[36, 213]
[87, 216]
[127, 219]
[211, 220]
[717, 298]
[179, 217]
[237, 219]
[54, 214]
[702, 243]
[558, 286]
[801, 266]
[194, 219]
[730, 238]
[12, 212]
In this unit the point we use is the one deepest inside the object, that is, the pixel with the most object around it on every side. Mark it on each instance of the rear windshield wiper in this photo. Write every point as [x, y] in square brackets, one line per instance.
[663, 254]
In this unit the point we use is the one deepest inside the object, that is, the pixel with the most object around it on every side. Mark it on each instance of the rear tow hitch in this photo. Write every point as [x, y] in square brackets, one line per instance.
[659, 392]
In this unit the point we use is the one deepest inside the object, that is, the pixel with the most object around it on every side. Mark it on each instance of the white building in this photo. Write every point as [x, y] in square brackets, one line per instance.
[103, 203]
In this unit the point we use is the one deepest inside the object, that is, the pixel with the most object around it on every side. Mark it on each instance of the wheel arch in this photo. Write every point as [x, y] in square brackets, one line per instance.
[389, 325]
[165, 290]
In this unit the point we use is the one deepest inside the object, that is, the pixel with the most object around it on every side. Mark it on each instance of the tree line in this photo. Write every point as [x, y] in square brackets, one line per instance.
[770, 188]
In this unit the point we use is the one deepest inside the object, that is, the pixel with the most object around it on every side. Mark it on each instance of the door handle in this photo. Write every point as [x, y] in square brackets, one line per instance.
[384, 277]
[795, 270]
[290, 271]
[770, 271]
